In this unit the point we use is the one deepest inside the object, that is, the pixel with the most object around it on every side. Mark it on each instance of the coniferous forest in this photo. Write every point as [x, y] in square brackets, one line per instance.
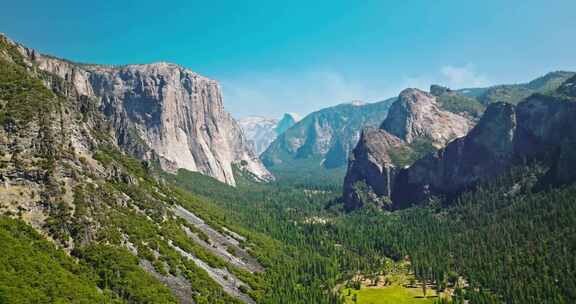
[512, 240]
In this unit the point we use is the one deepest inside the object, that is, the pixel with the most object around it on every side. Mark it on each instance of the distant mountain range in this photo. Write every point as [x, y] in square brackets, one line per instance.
[323, 139]
[262, 131]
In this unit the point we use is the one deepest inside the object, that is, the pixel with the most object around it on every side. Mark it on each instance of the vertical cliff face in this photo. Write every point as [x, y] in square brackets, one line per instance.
[416, 124]
[485, 151]
[370, 168]
[163, 111]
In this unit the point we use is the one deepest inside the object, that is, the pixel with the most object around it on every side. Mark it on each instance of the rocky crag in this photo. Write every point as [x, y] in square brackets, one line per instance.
[538, 129]
[416, 124]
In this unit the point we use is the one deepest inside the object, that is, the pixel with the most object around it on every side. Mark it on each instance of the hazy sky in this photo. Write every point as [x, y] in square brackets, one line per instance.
[299, 56]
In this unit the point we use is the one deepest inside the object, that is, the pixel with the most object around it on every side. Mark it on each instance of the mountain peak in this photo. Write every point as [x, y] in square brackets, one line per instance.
[292, 115]
[287, 121]
[417, 114]
[357, 102]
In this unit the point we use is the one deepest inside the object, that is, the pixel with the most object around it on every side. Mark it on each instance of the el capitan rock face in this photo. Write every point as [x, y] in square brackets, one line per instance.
[163, 111]
[414, 123]
[542, 128]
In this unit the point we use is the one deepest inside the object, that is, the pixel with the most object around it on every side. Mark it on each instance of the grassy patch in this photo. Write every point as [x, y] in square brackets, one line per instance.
[393, 294]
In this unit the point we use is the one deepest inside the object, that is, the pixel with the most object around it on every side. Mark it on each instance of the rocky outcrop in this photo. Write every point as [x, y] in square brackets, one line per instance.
[541, 128]
[371, 165]
[163, 111]
[65, 171]
[569, 87]
[415, 124]
[483, 152]
[417, 114]
[261, 131]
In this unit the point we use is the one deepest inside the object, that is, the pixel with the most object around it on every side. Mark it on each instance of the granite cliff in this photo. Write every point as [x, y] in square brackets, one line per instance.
[80, 147]
[161, 111]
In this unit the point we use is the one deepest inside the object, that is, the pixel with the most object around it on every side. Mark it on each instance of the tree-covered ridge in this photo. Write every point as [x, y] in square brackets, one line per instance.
[510, 239]
[514, 93]
[23, 97]
[457, 103]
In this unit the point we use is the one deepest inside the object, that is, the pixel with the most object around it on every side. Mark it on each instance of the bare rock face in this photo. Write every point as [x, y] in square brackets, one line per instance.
[370, 163]
[540, 128]
[485, 151]
[414, 123]
[568, 87]
[546, 131]
[163, 111]
[416, 114]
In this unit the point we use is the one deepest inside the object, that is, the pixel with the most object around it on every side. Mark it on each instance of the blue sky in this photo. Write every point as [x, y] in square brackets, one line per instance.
[299, 56]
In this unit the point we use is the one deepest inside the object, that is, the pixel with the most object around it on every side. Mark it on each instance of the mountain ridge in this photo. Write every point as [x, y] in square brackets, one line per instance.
[261, 131]
[323, 139]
